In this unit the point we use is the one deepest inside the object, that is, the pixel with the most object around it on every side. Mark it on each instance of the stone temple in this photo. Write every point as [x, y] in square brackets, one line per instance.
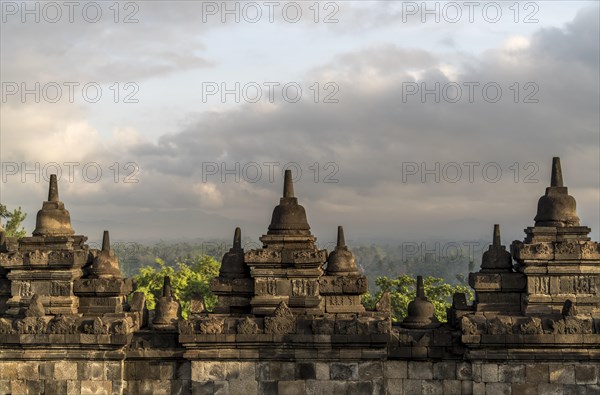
[289, 318]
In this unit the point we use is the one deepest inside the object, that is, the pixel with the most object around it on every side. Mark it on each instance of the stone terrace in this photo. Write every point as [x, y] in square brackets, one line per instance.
[289, 318]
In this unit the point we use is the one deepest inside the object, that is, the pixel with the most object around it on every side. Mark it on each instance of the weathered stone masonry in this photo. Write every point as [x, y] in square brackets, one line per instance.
[289, 318]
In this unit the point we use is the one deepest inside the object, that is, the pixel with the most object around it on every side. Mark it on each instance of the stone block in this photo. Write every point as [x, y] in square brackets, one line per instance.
[360, 387]
[262, 371]
[452, 387]
[464, 371]
[432, 387]
[586, 374]
[270, 387]
[562, 374]
[524, 388]
[96, 387]
[550, 389]
[466, 387]
[485, 281]
[154, 387]
[296, 387]
[573, 389]
[5, 387]
[592, 389]
[306, 371]
[243, 387]
[18, 387]
[202, 388]
[113, 371]
[537, 373]
[489, 373]
[221, 387]
[511, 373]
[55, 387]
[343, 371]
[444, 371]
[370, 370]
[28, 370]
[46, 370]
[476, 372]
[8, 371]
[498, 389]
[282, 371]
[35, 387]
[90, 371]
[322, 371]
[412, 387]
[478, 388]
[420, 370]
[73, 387]
[394, 386]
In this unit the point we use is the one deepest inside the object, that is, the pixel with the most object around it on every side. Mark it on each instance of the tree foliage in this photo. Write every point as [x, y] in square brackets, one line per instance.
[403, 290]
[192, 276]
[15, 218]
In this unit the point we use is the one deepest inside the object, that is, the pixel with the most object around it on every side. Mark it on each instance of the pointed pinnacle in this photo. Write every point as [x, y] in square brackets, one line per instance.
[341, 240]
[105, 241]
[496, 241]
[420, 287]
[53, 189]
[288, 185]
[237, 238]
[557, 178]
[167, 287]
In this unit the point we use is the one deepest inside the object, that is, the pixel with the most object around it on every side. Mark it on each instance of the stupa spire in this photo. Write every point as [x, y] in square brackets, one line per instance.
[496, 239]
[237, 239]
[53, 189]
[420, 287]
[341, 240]
[105, 241]
[288, 185]
[557, 178]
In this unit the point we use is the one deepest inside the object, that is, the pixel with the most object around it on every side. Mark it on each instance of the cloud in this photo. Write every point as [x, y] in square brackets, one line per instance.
[364, 142]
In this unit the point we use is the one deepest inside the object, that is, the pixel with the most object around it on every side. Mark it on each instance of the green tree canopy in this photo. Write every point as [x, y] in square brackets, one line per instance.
[15, 218]
[403, 290]
[192, 276]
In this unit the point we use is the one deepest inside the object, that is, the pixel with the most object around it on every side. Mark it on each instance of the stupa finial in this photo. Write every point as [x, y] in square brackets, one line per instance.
[288, 185]
[105, 241]
[237, 238]
[167, 287]
[557, 178]
[53, 189]
[420, 287]
[341, 240]
[496, 239]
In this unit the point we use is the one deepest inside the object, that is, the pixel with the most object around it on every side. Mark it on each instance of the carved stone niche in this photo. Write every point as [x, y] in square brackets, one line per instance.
[281, 322]
[248, 326]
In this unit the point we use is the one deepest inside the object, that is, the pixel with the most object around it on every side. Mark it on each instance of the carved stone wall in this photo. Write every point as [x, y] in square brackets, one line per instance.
[171, 376]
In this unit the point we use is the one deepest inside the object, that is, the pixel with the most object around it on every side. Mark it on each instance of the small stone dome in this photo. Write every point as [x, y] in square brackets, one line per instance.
[421, 312]
[341, 260]
[289, 218]
[53, 219]
[496, 258]
[106, 263]
[556, 208]
[232, 264]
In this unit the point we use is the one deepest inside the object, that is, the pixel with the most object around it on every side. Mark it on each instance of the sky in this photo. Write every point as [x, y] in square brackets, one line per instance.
[400, 120]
